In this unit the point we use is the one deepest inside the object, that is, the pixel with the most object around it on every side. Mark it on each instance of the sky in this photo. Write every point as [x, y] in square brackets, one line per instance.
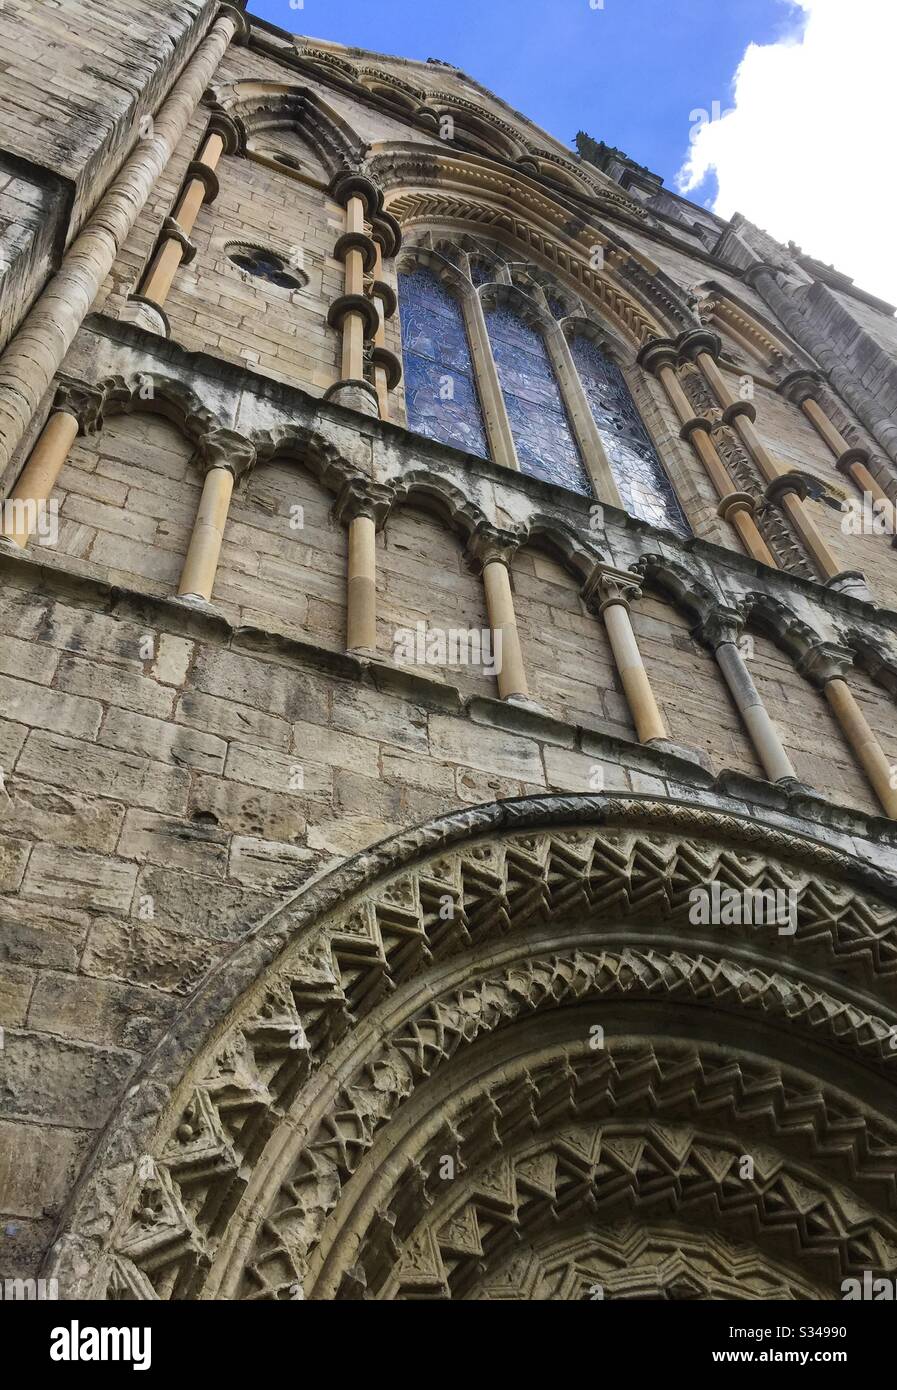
[778, 109]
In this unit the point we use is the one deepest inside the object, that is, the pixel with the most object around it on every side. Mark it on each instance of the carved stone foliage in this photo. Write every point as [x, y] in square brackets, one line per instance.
[501, 1058]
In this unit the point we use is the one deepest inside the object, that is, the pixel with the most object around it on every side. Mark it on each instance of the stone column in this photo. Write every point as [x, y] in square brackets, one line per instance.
[226, 456]
[784, 489]
[354, 314]
[491, 550]
[35, 354]
[804, 389]
[495, 411]
[174, 247]
[387, 368]
[610, 592]
[581, 418]
[78, 409]
[660, 357]
[364, 507]
[721, 632]
[827, 665]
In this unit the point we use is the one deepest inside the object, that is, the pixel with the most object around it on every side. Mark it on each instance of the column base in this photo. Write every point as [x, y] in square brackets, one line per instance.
[147, 315]
[681, 750]
[195, 601]
[852, 582]
[362, 653]
[357, 395]
[525, 702]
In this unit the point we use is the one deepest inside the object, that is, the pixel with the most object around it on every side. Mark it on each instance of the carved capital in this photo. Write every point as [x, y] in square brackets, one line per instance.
[787, 485]
[351, 184]
[489, 545]
[362, 497]
[720, 626]
[607, 586]
[694, 341]
[357, 241]
[658, 353]
[734, 503]
[824, 662]
[800, 386]
[359, 304]
[223, 448]
[83, 401]
[856, 454]
[230, 130]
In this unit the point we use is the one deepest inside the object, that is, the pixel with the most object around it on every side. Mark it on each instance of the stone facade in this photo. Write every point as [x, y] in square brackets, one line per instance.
[332, 967]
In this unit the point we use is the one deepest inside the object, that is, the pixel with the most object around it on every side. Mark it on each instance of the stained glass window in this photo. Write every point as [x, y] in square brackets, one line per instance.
[440, 391]
[545, 444]
[644, 487]
[481, 273]
[556, 306]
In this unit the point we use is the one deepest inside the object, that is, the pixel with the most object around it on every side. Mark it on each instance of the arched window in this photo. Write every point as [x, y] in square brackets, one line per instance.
[440, 390]
[535, 367]
[643, 485]
[542, 435]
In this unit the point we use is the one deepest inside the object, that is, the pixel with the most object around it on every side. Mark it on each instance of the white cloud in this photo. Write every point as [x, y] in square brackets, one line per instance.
[807, 149]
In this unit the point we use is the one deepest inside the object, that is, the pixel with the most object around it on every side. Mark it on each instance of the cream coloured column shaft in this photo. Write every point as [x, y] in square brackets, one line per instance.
[862, 740]
[354, 314]
[387, 367]
[204, 551]
[35, 354]
[38, 478]
[226, 456]
[660, 357]
[512, 683]
[801, 388]
[78, 408]
[175, 248]
[363, 506]
[491, 550]
[611, 590]
[784, 488]
[361, 618]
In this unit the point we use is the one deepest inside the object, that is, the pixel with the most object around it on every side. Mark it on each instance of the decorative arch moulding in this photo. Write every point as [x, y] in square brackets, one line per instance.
[565, 909]
[199, 395]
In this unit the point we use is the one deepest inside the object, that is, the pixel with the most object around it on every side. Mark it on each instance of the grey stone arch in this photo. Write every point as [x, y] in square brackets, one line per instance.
[280, 1140]
[282, 106]
[455, 509]
[404, 97]
[653, 407]
[476, 131]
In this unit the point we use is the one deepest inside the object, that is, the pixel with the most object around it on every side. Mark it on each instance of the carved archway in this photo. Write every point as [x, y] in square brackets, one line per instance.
[496, 1057]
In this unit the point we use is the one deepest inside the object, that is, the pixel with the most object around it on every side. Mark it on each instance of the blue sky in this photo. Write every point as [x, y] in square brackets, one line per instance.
[630, 73]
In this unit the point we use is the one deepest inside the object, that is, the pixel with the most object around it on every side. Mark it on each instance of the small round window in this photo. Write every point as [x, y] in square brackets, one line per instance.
[267, 265]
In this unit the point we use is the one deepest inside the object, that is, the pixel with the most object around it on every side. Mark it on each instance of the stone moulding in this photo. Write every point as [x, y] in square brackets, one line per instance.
[583, 897]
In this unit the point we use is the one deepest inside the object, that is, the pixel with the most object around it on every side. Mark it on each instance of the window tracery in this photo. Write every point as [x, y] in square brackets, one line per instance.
[528, 353]
[440, 390]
